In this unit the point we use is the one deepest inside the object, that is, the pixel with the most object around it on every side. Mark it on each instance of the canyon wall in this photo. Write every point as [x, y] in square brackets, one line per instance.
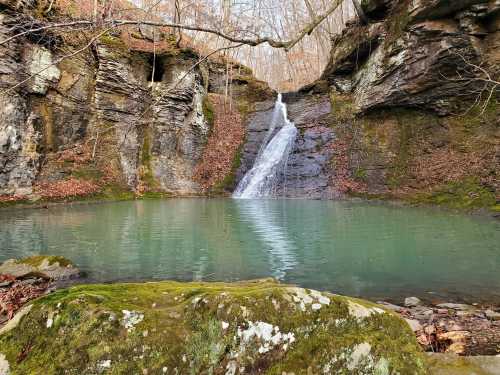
[113, 118]
[403, 109]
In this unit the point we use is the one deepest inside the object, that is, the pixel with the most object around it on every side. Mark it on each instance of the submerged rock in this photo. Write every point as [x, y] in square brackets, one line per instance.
[249, 327]
[48, 267]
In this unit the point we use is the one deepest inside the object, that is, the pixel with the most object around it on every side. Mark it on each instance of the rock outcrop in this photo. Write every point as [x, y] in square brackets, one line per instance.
[400, 111]
[420, 55]
[240, 328]
[47, 267]
[116, 115]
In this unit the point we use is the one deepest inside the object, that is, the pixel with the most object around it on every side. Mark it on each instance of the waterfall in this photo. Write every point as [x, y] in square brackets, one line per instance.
[269, 166]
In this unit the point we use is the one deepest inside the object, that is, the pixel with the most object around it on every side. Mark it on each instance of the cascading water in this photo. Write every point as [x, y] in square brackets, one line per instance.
[263, 178]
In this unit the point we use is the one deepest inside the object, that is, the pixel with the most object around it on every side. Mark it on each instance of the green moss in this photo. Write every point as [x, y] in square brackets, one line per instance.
[342, 107]
[208, 112]
[193, 328]
[397, 22]
[360, 174]
[117, 47]
[37, 260]
[464, 195]
[256, 90]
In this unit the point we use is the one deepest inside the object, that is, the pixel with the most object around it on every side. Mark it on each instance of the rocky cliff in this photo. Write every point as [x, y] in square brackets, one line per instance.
[404, 109]
[407, 108]
[113, 118]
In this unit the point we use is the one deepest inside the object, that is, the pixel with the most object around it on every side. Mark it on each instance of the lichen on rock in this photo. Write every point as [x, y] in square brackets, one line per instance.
[247, 327]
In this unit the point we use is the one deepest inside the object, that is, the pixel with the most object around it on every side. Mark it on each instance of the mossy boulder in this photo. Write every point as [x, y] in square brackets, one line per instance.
[45, 266]
[259, 327]
[452, 364]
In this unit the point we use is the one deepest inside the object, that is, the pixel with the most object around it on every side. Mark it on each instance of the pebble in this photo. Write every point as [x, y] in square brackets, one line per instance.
[412, 301]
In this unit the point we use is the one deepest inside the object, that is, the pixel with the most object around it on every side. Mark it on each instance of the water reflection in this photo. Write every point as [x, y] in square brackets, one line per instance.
[351, 248]
[263, 218]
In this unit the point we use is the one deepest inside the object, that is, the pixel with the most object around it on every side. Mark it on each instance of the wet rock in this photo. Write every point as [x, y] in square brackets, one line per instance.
[412, 301]
[48, 267]
[207, 338]
[455, 306]
[492, 315]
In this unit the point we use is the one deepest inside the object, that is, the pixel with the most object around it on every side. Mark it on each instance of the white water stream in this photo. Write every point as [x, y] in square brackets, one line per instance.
[261, 181]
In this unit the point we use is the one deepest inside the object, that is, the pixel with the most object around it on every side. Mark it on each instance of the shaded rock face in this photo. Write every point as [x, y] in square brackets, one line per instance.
[412, 57]
[160, 125]
[309, 172]
[258, 327]
[154, 133]
[179, 131]
[19, 159]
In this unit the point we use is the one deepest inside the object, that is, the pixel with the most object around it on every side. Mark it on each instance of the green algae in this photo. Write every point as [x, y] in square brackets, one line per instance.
[197, 328]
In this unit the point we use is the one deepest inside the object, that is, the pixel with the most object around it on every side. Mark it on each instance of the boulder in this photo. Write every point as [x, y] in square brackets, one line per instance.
[452, 364]
[412, 301]
[415, 55]
[48, 267]
[239, 328]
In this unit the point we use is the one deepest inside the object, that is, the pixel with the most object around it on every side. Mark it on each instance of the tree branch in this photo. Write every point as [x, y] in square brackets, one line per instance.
[113, 23]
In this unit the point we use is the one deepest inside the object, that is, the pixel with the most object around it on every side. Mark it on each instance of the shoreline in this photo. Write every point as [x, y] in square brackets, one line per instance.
[483, 212]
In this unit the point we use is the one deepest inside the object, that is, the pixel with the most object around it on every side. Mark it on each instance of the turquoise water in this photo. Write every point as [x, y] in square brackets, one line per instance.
[372, 251]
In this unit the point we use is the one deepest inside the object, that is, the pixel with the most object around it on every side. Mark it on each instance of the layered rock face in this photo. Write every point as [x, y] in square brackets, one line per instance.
[417, 55]
[160, 124]
[114, 114]
[414, 117]
[308, 171]
[401, 111]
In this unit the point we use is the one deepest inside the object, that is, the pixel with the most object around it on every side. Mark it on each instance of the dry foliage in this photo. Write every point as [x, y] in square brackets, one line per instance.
[11, 198]
[72, 187]
[446, 165]
[16, 295]
[223, 144]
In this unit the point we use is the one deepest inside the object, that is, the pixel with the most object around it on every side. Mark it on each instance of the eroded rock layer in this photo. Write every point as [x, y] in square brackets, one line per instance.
[112, 118]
